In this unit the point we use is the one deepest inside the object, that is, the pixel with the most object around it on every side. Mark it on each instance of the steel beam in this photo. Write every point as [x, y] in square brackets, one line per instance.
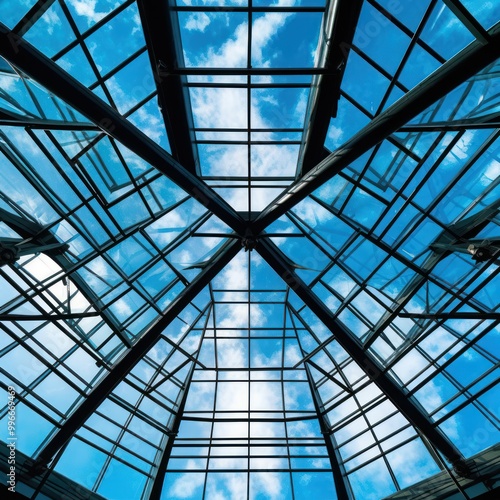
[32, 16]
[481, 316]
[13, 120]
[174, 425]
[408, 407]
[339, 25]
[47, 73]
[457, 70]
[342, 485]
[163, 38]
[471, 23]
[132, 357]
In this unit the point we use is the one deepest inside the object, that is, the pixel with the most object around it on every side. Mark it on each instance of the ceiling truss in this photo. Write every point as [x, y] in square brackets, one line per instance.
[183, 169]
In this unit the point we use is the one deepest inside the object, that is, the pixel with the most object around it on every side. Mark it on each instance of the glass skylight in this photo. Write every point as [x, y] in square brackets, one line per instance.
[250, 250]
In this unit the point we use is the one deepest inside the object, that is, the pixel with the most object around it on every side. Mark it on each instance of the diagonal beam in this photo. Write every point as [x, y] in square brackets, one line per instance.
[47, 317]
[156, 485]
[14, 120]
[342, 485]
[32, 16]
[175, 422]
[454, 72]
[163, 37]
[459, 126]
[408, 407]
[43, 70]
[133, 356]
[482, 316]
[339, 25]
[472, 24]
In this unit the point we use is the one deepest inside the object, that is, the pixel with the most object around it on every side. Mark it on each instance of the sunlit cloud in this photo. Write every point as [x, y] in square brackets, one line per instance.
[224, 107]
[87, 9]
[198, 21]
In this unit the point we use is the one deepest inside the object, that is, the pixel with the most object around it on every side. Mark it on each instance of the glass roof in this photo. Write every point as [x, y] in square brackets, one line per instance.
[250, 249]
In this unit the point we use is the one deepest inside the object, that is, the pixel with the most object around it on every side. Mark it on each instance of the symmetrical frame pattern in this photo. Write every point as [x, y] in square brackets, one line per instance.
[251, 249]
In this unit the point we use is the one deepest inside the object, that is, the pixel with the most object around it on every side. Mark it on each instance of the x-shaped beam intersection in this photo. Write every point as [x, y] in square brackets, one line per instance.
[30, 61]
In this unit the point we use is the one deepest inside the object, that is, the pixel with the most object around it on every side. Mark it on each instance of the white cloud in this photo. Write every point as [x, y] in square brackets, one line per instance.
[430, 396]
[92, 46]
[236, 486]
[187, 484]
[52, 20]
[311, 212]
[198, 21]
[233, 53]
[87, 8]
[461, 148]
[231, 354]
[261, 360]
[168, 227]
[266, 396]
[335, 134]
[222, 108]
[268, 484]
[412, 475]
[274, 160]
[8, 83]
[150, 124]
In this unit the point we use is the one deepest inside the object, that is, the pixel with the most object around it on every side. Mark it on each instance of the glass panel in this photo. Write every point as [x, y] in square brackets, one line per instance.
[350, 349]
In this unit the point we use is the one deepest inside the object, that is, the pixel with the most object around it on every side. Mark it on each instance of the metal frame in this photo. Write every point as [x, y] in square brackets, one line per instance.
[163, 38]
[161, 469]
[31, 17]
[344, 490]
[157, 485]
[129, 360]
[29, 60]
[372, 368]
[457, 70]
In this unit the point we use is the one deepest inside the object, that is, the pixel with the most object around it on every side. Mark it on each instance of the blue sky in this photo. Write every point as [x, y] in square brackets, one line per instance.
[346, 227]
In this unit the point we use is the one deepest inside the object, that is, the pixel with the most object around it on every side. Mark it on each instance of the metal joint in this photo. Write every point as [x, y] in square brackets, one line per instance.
[248, 243]
[8, 255]
[163, 69]
[34, 467]
[465, 468]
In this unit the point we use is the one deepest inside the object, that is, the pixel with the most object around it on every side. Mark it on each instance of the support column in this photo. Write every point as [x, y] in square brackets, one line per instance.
[451, 74]
[408, 407]
[157, 485]
[342, 486]
[120, 370]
